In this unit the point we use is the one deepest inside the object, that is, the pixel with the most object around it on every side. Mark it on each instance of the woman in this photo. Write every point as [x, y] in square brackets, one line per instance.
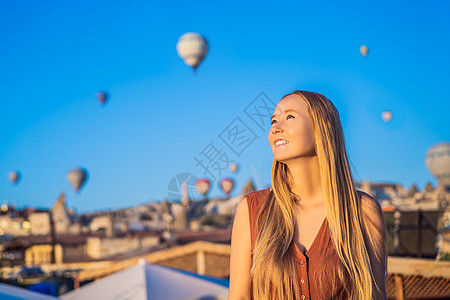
[313, 236]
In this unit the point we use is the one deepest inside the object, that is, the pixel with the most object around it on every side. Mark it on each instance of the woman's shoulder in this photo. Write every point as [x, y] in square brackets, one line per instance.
[254, 200]
[370, 206]
[373, 218]
[258, 195]
[377, 233]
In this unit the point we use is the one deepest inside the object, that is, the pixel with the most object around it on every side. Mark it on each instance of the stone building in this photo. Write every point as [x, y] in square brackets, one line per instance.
[102, 223]
[14, 226]
[60, 215]
[40, 223]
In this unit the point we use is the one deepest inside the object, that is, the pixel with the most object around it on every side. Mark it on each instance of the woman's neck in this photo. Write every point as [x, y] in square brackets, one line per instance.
[306, 180]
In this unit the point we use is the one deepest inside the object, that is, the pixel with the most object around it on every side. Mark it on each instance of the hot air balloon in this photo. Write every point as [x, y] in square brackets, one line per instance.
[192, 48]
[77, 178]
[14, 176]
[102, 97]
[364, 50]
[234, 167]
[203, 185]
[386, 115]
[227, 184]
[438, 162]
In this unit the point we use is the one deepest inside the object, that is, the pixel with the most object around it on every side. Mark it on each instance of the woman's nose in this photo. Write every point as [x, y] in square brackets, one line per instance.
[276, 128]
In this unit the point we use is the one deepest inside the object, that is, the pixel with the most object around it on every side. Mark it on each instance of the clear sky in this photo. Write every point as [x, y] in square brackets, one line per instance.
[56, 55]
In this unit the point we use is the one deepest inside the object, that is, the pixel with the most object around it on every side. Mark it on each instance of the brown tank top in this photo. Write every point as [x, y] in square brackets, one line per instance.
[320, 261]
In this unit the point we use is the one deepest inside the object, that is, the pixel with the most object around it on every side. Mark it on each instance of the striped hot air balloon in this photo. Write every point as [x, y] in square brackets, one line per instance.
[227, 184]
[203, 185]
[192, 48]
[437, 161]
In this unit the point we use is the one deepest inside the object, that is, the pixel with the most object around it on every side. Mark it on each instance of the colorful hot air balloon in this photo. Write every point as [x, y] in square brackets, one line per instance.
[234, 167]
[77, 178]
[386, 115]
[203, 185]
[192, 48]
[364, 50]
[227, 184]
[14, 176]
[102, 97]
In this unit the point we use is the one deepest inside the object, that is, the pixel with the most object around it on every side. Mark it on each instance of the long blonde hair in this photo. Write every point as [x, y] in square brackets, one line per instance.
[273, 272]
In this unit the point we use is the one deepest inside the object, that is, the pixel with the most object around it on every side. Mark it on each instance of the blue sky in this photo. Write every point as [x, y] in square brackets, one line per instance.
[55, 56]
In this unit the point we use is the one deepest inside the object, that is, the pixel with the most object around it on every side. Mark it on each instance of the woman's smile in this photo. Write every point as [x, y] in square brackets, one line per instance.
[281, 145]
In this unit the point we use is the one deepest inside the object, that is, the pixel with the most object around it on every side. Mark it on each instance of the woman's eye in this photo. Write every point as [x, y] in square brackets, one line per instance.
[286, 118]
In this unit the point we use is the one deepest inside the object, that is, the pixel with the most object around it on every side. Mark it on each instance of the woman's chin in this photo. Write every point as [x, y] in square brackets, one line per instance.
[281, 158]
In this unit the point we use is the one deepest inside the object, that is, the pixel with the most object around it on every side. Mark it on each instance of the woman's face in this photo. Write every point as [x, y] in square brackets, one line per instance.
[291, 122]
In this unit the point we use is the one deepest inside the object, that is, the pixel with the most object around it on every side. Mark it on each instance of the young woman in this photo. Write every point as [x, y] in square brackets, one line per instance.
[312, 235]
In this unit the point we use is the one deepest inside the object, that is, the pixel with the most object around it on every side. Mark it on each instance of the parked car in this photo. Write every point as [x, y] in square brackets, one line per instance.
[30, 275]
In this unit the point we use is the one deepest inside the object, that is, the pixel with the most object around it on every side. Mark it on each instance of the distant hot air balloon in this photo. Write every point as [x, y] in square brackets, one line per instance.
[203, 185]
[234, 167]
[227, 184]
[192, 48]
[364, 50]
[102, 97]
[438, 162]
[77, 177]
[386, 115]
[14, 176]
